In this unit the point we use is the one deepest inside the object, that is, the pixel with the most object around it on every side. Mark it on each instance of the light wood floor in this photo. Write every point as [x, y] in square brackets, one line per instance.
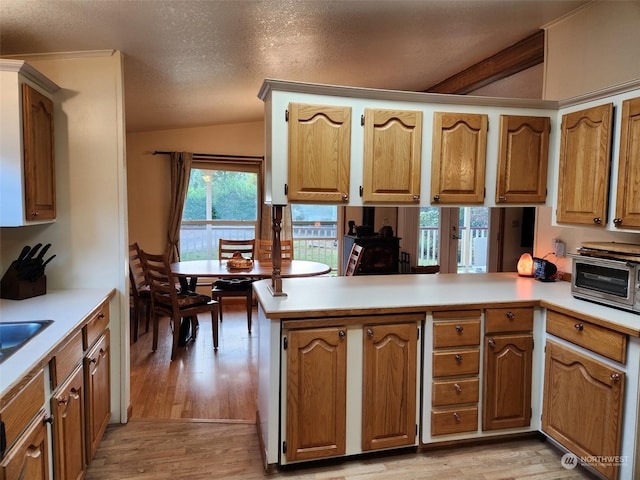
[163, 441]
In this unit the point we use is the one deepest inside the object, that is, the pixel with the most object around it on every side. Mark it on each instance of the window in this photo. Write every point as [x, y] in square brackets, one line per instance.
[429, 236]
[222, 202]
[315, 233]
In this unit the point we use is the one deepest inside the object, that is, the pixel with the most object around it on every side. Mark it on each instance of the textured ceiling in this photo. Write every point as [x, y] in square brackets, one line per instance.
[194, 63]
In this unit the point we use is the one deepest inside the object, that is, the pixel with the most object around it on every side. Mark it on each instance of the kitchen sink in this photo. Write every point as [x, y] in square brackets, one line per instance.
[13, 335]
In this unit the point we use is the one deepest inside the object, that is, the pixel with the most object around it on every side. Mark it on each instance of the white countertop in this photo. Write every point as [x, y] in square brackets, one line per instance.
[67, 308]
[316, 296]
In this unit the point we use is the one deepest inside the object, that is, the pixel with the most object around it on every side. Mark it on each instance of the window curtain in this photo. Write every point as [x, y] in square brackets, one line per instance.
[180, 173]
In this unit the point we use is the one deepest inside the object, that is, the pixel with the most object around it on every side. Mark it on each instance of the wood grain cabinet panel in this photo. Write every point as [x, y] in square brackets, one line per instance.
[582, 406]
[39, 164]
[585, 150]
[507, 381]
[459, 158]
[316, 393]
[456, 333]
[97, 372]
[69, 449]
[29, 458]
[628, 191]
[392, 156]
[319, 153]
[523, 157]
[389, 386]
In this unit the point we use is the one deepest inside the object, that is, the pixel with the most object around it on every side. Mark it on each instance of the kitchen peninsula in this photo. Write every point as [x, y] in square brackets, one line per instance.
[465, 317]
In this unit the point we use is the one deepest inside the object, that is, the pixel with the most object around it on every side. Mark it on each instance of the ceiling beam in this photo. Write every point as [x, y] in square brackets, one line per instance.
[516, 58]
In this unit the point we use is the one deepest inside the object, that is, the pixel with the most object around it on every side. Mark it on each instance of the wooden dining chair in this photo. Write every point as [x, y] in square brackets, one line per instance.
[265, 250]
[355, 257]
[140, 292]
[226, 250]
[167, 301]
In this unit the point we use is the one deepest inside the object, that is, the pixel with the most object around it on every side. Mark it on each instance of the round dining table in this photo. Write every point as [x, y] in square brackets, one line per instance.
[218, 269]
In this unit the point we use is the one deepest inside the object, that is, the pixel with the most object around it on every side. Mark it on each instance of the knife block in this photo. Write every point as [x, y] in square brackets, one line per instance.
[11, 287]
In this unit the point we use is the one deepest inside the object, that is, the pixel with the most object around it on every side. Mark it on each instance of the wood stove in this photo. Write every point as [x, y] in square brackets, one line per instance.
[379, 254]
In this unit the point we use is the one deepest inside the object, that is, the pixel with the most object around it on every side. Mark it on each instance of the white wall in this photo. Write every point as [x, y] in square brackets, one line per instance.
[592, 48]
[595, 47]
[89, 235]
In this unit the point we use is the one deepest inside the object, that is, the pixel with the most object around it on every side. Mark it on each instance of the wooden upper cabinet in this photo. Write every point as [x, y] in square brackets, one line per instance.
[316, 393]
[522, 159]
[459, 158]
[392, 156]
[389, 385]
[583, 180]
[319, 153]
[628, 193]
[39, 165]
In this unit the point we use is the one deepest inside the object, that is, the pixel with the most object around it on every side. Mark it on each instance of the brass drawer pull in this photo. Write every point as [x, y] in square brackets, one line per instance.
[456, 416]
[458, 358]
[615, 377]
[579, 327]
[511, 315]
[492, 343]
[457, 387]
[459, 329]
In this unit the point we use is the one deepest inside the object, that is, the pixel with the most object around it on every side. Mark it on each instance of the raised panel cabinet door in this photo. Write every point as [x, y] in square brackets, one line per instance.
[39, 165]
[69, 448]
[389, 385]
[583, 180]
[98, 399]
[628, 193]
[507, 381]
[523, 157]
[29, 458]
[392, 156]
[459, 158]
[319, 153]
[316, 393]
[582, 406]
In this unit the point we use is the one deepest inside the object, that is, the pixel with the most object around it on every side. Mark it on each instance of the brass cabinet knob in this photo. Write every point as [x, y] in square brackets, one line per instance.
[457, 387]
[458, 358]
[579, 327]
[597, 220]
[436, 198]
[511, 315]
[459, 329]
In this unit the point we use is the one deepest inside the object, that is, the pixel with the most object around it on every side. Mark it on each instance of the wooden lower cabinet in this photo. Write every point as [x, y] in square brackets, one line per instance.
[98, 392]
[67, 406]
[29, 457]
[316, 393]
[507, 381]
[582, 407]
[390, 353]
[328, 372]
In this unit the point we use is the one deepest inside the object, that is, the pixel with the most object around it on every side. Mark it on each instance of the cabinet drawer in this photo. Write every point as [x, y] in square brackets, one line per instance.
[96, 325]
[456, 334]
[459, 362]
[499, 320]
[65, 360]
[598, 339]
[23, 407]
[454, 392]
[454, 420]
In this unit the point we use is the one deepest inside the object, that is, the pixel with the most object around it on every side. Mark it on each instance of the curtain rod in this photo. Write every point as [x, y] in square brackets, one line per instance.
[215, 155]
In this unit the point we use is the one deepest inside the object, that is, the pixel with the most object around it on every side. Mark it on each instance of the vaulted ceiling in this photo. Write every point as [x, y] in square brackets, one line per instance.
[193, 63]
